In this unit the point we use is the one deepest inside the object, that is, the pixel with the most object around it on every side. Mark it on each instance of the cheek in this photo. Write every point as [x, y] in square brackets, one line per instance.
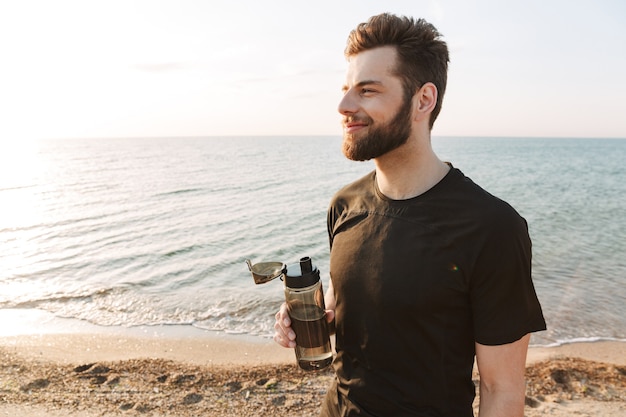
[378, 113]
[385, 111]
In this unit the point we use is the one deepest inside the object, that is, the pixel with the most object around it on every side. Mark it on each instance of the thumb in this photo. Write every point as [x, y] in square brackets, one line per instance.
[330, 315]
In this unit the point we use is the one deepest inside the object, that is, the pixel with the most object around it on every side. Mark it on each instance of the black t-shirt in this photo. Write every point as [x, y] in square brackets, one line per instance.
[417, 283]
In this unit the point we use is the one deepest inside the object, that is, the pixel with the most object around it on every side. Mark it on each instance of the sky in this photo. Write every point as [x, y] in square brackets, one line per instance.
[160, 68]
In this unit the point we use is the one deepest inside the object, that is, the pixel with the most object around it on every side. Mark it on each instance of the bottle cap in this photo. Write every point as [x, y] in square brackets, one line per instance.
[301, 275]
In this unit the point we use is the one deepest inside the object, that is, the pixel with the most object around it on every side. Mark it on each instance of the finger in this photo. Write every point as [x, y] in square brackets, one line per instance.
[283, 314]
[283, 341]
[284, 332]
[278, 339]
[281, 331]
[283, 320]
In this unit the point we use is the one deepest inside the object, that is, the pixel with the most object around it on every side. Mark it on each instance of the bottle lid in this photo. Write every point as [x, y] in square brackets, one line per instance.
[263, 272]
[301, 275]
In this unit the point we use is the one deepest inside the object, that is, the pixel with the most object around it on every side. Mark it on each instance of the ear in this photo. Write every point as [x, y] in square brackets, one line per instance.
[424, 102]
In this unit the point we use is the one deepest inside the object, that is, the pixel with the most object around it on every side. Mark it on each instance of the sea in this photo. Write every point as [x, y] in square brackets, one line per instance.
[155, 232]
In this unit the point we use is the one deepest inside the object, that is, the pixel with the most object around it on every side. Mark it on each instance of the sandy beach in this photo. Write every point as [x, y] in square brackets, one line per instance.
[87, 375]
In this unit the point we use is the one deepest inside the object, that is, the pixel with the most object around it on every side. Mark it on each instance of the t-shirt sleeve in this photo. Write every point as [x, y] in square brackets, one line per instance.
[505, 306]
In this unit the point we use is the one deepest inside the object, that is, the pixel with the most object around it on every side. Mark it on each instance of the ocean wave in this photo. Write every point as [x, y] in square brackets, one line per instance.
[574, 340]
[142, 232]
[181, 191]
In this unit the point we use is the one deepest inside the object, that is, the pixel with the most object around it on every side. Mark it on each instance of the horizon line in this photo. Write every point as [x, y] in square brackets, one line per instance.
[312, 136]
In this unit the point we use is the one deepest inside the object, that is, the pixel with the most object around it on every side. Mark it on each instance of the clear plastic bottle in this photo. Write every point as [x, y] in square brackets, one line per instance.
[305, 302]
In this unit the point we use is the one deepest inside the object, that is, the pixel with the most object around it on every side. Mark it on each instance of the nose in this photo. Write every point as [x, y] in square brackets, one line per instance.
[347, 105]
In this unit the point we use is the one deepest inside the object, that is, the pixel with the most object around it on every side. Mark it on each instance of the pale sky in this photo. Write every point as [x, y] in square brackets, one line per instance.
[94, 69]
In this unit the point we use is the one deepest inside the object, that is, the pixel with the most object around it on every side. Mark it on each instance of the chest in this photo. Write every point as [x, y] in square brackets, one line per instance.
[399, 266]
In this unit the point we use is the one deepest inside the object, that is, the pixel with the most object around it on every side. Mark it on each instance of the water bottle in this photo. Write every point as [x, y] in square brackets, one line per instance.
[304, 296]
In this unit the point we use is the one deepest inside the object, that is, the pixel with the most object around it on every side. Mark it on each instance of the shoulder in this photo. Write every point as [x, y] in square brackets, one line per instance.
[352, 200]
[355, 191]
[490, 211]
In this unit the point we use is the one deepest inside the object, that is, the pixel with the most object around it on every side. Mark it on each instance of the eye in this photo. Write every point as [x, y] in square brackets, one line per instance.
[367, 91]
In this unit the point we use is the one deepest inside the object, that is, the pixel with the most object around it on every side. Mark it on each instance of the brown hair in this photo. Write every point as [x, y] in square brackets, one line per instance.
[422, 55]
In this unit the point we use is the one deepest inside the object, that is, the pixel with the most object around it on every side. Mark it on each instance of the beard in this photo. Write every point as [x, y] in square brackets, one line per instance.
[380, 139]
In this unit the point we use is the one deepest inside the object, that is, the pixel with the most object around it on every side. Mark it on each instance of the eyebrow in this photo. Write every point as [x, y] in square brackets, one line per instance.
[362, 84]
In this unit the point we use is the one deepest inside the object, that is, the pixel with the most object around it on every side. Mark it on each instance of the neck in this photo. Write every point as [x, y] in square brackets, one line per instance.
[409, 170]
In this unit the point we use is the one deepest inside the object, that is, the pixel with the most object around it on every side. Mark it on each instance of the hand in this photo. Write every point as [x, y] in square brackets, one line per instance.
[284, 334]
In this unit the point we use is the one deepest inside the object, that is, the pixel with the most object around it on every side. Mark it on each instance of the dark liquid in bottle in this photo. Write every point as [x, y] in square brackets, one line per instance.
[309, 324]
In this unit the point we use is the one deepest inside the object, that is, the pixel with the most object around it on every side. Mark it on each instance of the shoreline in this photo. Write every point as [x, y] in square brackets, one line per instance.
[218, 349]
[36, 323]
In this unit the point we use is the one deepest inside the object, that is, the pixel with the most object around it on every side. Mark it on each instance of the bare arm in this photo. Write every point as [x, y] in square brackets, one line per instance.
[502, 383]
[329, 298]
[331, 304]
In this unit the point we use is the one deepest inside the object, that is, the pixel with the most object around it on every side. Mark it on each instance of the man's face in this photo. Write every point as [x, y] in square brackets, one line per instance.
[376, 118]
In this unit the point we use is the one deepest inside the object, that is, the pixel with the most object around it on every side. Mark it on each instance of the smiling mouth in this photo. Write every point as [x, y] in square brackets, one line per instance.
[354, 125]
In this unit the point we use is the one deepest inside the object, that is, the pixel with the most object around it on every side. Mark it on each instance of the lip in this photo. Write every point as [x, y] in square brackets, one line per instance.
[352, 127]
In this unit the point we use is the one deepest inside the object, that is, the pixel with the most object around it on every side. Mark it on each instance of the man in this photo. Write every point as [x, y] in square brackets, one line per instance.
[427, 269]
